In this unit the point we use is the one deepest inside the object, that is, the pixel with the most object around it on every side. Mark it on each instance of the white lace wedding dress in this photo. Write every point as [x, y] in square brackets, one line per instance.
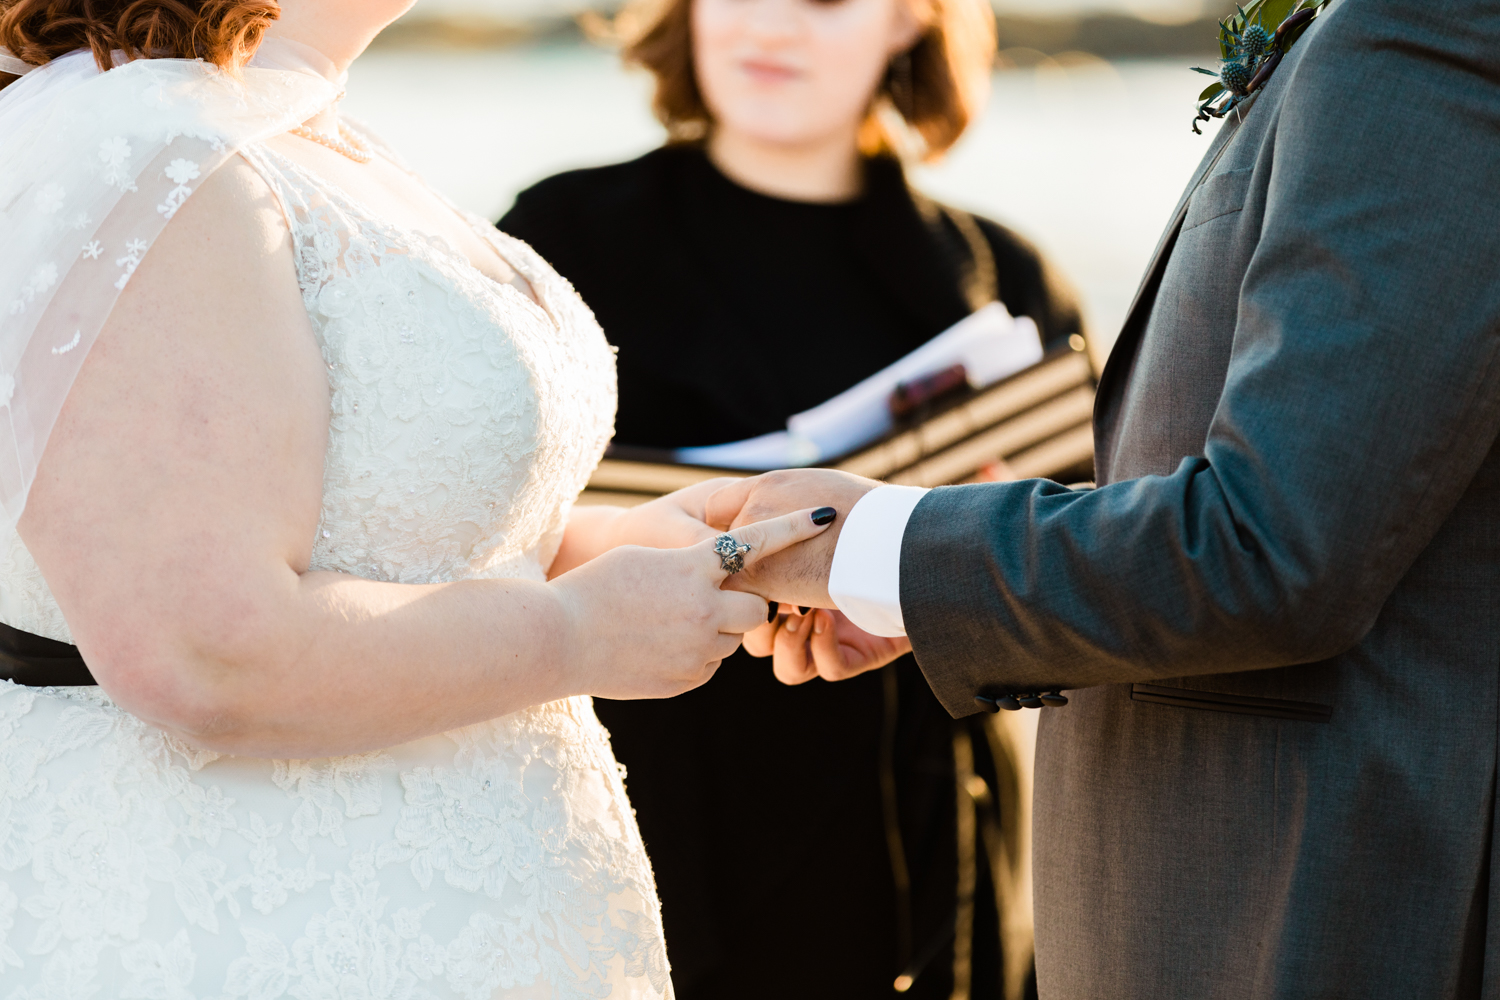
[501, 860]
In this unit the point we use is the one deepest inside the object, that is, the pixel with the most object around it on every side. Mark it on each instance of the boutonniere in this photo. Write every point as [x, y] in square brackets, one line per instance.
[1252, 41]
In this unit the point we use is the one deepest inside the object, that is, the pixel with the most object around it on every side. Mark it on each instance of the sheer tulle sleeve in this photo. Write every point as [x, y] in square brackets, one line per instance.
[93, 166]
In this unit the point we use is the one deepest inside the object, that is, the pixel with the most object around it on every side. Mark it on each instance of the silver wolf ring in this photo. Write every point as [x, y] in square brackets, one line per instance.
[731, 553]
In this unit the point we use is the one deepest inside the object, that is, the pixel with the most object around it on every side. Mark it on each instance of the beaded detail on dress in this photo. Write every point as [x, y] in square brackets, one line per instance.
[500, 860]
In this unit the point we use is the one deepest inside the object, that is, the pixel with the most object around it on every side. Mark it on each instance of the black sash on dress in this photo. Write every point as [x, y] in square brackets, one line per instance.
[39, 662]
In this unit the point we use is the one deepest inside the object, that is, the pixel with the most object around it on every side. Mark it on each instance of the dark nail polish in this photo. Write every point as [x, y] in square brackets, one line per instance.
[802, 610]
[824, 515]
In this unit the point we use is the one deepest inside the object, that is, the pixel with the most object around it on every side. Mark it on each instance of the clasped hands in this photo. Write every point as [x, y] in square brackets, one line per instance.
[821, 642]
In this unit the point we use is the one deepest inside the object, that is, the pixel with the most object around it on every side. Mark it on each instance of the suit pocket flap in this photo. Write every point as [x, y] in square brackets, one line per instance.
[1214, 701]
[1222, 194]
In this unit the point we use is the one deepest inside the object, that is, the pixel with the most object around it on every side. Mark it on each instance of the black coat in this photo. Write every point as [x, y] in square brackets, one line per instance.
[762, 806]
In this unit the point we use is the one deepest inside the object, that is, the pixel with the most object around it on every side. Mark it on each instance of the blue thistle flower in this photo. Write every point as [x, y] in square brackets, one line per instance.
[1235, 76]
[1255, 40]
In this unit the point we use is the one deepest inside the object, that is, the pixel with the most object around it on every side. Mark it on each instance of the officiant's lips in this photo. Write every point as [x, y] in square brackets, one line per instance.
[768, 71]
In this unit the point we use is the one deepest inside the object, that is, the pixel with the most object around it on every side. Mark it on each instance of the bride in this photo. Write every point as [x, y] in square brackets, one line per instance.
[290, 456]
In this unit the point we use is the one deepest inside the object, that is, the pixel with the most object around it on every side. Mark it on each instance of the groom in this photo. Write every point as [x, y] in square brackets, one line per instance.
[1278, 616]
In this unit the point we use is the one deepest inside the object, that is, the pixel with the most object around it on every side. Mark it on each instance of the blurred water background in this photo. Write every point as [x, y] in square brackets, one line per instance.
[1083, 152]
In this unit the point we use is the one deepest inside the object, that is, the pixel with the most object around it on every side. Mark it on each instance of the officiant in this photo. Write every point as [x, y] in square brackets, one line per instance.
[771, 255]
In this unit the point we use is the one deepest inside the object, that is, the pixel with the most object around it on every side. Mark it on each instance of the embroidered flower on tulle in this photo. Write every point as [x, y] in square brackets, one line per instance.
[114, 153]
[180, 172]
[93, 250]
[134, 251]
[40, 280]
[49, 198]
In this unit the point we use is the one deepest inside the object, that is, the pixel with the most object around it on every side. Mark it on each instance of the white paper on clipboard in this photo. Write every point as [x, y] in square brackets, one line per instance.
[989, 343]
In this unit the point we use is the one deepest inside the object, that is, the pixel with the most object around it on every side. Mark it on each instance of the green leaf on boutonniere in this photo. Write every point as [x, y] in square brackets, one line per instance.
[1211, 91]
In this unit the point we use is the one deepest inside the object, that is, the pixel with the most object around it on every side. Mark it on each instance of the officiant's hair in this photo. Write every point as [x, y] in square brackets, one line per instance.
[223, 32]
[935, 88]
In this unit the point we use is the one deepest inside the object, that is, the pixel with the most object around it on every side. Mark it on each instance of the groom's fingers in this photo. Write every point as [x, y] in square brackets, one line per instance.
[791, 663]
[829, 661]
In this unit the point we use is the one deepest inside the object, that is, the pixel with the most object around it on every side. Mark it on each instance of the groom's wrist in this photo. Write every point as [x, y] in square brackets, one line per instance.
[864, 580]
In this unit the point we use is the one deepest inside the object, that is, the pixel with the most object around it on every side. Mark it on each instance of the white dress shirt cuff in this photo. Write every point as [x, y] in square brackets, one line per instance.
[865, 579]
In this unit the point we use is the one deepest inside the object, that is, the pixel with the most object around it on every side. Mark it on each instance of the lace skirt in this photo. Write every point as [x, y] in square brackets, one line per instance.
[500, 860]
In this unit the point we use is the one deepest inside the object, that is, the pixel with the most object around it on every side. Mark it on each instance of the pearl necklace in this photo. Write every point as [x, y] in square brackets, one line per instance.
[353, 145]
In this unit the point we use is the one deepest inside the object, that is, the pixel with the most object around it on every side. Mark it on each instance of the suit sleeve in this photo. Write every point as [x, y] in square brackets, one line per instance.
[1362, 396]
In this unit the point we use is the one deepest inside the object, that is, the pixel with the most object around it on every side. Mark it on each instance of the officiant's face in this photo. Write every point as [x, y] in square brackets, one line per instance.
[795, 71]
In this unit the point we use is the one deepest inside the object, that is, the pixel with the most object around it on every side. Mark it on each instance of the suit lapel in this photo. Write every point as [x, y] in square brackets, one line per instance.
[1112, 379]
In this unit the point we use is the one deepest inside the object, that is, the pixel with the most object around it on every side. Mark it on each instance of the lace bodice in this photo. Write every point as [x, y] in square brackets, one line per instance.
[501, 860]
[466, 418]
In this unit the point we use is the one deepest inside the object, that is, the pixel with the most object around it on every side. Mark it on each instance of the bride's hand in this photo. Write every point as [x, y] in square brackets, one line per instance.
[670, 522]
[653, 623]
[822, 644]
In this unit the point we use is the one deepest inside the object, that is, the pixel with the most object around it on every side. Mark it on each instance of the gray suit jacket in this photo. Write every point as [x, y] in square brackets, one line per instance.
[1279, 613]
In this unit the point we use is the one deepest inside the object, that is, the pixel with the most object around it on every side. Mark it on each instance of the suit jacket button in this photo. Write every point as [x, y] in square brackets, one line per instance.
[1054, 699]
[1008, 702]
[1029, 701]
[988, 704]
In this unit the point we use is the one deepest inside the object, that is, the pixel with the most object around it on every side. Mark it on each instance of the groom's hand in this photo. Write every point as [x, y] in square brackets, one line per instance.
[820, 644]
[798, 575]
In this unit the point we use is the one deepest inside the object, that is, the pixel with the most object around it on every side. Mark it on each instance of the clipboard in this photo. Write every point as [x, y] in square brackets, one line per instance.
[1039, 422]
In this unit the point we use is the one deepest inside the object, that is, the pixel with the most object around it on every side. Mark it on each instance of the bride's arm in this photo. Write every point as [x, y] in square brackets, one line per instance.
[173, 517]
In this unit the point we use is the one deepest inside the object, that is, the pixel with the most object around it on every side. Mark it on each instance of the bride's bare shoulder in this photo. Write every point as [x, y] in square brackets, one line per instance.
[234, 213]
[218, 284]
[224, 263]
